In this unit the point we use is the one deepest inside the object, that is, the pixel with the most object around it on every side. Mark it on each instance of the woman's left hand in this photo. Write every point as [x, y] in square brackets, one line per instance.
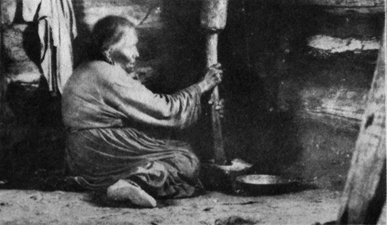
[212, 78]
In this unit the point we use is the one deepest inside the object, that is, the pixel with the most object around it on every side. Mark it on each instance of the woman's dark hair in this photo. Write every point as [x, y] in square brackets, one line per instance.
[107, 32]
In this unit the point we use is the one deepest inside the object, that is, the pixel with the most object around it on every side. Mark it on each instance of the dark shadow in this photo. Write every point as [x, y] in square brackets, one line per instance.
[82, 42]
[19, 12]
[182, 46]
[257, 49]
[33, 141]
[31, 43]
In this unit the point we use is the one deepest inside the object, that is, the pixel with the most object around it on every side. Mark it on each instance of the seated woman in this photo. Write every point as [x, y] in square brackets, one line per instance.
[116, 141]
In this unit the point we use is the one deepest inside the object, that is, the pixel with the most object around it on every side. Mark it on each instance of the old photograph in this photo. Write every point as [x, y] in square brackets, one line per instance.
[197, 112]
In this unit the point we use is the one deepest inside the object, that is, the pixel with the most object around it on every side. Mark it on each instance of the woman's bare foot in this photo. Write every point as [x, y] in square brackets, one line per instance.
[124, 190]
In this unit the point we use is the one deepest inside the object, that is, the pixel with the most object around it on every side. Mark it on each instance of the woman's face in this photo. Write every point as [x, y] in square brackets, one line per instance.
[125, 52]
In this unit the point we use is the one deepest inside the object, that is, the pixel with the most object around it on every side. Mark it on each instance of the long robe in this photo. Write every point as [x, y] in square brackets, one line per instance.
[57, 30]
[118, 130]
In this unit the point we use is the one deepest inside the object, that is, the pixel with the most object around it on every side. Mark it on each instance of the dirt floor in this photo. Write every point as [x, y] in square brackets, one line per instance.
[58, 207]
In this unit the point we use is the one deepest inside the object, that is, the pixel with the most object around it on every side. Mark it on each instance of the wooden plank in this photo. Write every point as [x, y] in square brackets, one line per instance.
[341, 108]
[2, 78]
[365, 190]
[338, 6]
[341, 103]
[343, 3]
[382, 219]
[332, 3]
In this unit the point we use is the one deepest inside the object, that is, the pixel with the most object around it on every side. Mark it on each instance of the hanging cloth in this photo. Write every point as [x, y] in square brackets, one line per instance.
[57, 29]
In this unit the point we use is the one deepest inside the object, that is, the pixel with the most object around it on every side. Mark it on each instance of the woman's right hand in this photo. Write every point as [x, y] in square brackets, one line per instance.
[212, 78]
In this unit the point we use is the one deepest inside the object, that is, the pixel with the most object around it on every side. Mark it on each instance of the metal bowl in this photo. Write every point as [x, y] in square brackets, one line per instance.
[263, 184]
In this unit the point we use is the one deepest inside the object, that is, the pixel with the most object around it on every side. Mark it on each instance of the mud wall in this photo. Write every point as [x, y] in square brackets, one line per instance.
[296, 77]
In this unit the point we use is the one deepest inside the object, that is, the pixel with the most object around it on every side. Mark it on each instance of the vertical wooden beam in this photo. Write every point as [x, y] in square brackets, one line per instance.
[213, 19]
[382, 219]
[365, 190]
[2, 78]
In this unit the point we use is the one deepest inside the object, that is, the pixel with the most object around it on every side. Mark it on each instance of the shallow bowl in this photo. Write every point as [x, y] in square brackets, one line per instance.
[263, 184]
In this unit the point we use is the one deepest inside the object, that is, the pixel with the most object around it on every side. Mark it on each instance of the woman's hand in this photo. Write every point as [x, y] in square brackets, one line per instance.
[219, 107]
[212, 78]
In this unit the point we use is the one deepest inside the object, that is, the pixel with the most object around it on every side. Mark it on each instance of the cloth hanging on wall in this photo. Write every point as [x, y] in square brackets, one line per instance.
[57, 29]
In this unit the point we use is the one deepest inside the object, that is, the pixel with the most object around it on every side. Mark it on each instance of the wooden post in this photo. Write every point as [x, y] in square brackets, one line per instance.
[213, 20]
[2, 78]
[212, 58]
[365, 191]
[382, 218]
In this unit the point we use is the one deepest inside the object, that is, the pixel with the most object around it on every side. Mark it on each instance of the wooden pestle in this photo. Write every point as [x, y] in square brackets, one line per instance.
[213, 20]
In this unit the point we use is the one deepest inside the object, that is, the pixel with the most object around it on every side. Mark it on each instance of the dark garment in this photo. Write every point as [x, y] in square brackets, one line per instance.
[113, 122]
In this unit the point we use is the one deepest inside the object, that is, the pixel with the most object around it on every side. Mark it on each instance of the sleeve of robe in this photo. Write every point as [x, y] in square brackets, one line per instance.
[135, 101]
[107, 96]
